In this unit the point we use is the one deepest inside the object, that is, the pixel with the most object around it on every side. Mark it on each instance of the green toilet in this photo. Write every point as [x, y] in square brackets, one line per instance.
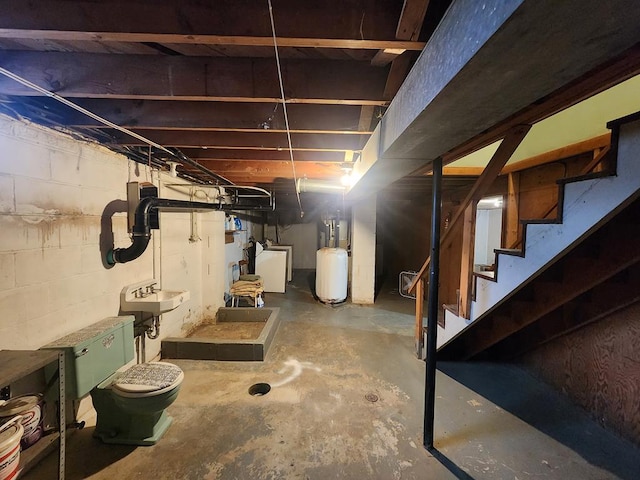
[131, 402]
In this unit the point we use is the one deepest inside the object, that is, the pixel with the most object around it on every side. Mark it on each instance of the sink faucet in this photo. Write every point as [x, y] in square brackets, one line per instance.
[151, 288]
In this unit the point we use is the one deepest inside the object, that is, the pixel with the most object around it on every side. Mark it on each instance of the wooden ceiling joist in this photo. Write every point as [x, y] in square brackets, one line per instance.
[243, 140]
[354, 19]
[163, 114]
[236, 40]
[411, 19]
[85, 75]
[202, 154]
[273, 168]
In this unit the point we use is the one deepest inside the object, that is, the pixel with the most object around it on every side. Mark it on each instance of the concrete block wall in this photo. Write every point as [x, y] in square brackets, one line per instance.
[54, 194]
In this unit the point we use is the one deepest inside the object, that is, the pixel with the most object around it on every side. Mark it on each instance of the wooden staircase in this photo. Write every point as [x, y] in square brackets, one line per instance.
[595, 278]
[597, 273]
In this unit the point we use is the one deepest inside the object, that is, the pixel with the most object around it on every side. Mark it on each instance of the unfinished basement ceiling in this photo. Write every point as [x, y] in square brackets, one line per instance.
[200, 78]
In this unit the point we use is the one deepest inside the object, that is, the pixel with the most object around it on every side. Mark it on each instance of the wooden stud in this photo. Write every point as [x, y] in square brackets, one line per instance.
[419, 336]
[512, 227]
[466, 265]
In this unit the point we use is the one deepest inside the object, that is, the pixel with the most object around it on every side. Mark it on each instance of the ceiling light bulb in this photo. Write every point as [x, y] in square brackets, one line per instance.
[346, 180]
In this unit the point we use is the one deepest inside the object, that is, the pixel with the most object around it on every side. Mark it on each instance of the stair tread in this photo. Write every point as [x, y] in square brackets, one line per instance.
[509, 251]
[586, 176]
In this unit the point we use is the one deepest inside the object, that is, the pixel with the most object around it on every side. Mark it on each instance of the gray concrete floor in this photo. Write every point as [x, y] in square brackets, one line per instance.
[492, 421]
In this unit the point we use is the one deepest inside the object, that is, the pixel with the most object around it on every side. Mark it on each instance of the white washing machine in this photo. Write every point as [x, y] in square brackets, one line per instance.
[271, 265]
[289, 250]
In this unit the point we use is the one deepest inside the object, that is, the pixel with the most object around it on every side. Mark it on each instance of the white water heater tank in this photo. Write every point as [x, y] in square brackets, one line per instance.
[331, 274]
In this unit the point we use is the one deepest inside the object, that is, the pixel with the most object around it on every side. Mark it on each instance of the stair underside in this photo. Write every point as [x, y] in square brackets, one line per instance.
[579, 288]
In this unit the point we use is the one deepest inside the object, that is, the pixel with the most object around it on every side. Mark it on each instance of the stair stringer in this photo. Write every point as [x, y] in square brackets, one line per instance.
[586, 205]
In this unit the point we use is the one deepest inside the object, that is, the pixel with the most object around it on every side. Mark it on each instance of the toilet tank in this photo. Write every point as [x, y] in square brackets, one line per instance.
[95, 352]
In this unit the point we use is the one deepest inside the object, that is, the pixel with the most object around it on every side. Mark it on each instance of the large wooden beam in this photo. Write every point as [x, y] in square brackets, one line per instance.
[244, 140]
[78, 75]
[484, 79]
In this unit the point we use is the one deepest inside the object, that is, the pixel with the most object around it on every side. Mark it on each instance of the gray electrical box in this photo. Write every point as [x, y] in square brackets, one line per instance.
[136, 191]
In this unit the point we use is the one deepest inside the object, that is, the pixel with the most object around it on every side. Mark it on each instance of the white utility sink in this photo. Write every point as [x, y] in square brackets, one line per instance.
[145, 297]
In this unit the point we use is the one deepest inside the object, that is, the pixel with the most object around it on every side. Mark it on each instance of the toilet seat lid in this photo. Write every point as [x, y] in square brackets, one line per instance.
[152, 377]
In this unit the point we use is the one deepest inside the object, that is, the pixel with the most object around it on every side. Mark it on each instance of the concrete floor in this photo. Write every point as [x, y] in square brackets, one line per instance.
[318, 421]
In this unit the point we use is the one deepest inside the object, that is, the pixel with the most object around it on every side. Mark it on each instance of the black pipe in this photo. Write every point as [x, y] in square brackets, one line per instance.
[141, 232]
[432, 320]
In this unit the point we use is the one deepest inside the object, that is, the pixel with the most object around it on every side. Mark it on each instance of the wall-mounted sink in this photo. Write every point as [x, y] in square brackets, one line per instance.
[145, 297]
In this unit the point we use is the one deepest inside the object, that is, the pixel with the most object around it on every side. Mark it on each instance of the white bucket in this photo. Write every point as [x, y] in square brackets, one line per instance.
[30, 407]
[10, 435]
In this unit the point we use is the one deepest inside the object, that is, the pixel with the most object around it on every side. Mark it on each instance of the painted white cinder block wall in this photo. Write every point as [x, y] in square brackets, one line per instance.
[54, 191]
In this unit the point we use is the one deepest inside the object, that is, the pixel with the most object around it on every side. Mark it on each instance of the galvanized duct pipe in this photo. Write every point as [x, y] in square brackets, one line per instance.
[318, 186]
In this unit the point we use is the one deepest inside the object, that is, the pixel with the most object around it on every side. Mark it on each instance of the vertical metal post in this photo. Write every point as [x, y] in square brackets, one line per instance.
[62, 414]
[432, 316]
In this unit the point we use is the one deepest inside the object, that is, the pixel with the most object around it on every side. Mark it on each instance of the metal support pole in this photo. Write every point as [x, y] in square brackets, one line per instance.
[432, 316]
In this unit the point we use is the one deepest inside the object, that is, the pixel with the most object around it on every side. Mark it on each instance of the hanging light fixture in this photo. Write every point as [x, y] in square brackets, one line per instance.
[347, 168]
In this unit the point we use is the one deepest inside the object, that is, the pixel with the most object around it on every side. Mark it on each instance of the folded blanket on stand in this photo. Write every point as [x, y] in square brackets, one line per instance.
[247, 288]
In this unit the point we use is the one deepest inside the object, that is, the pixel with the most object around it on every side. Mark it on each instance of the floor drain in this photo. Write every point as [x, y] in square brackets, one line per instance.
[371, 397]
[259, 389]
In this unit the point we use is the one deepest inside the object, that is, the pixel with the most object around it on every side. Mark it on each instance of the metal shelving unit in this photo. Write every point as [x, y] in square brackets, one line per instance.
[17, 364]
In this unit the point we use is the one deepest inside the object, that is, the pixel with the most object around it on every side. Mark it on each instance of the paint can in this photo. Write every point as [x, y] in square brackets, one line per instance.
[30, 408]
[10, 435]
